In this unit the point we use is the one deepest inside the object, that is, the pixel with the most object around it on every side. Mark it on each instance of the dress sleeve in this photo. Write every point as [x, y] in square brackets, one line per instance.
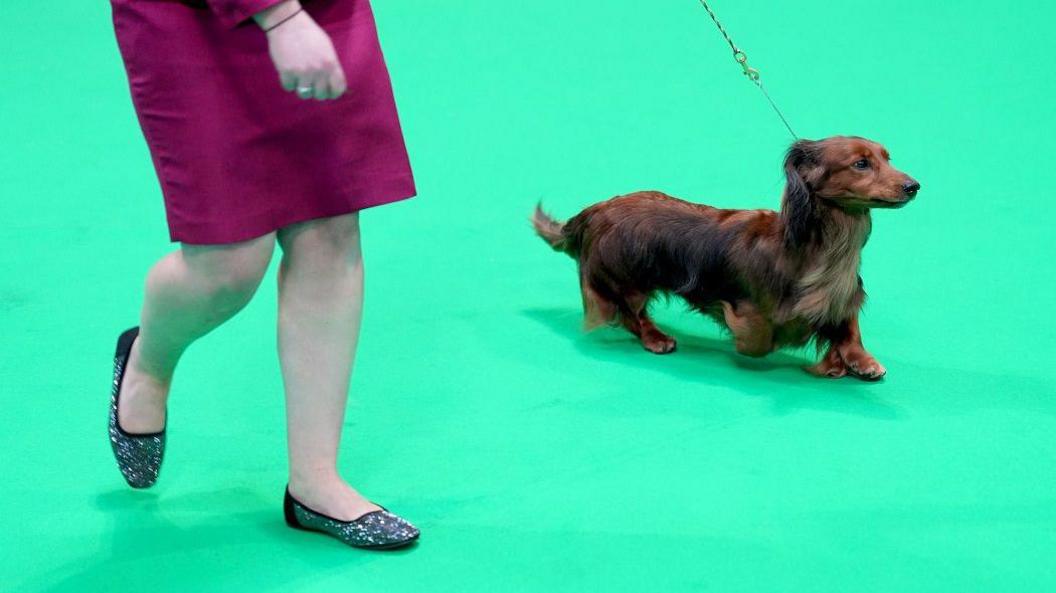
[235, 12]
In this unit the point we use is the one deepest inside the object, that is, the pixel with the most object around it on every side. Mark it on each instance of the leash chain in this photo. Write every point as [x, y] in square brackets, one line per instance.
[742, 59]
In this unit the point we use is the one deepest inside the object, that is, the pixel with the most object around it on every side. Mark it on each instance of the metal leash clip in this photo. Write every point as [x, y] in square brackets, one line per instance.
[751, 73]
[742, 59]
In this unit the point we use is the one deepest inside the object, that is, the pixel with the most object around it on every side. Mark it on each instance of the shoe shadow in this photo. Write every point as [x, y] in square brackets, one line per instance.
[232, 539]
[778, 377]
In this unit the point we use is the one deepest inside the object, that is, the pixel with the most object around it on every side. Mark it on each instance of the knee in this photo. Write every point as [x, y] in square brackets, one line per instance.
[229, 276]
[338, 239]
[324, 242]
[233, 287]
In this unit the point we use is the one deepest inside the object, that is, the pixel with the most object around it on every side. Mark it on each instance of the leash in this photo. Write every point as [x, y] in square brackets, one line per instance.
[742, 59]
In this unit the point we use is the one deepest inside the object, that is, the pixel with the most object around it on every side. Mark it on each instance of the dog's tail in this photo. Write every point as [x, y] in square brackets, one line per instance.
[552, 231]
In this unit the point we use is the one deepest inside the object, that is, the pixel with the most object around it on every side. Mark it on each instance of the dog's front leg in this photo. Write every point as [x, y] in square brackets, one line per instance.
[831, 365]
[854, 354]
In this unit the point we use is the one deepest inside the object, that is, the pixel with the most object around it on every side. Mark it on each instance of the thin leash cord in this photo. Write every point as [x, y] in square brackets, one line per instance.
[742, 59]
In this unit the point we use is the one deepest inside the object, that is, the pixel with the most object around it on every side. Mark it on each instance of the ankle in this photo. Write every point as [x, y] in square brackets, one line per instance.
[314, 480]
[327, 493]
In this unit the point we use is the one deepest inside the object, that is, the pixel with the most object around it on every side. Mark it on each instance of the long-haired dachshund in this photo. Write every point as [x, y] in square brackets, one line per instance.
[772, 278]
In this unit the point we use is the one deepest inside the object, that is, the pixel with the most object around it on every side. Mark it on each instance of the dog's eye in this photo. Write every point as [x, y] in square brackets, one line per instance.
[861, 164]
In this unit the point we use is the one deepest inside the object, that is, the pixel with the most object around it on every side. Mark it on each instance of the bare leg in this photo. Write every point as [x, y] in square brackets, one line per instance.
[320, 304]
[188, 294]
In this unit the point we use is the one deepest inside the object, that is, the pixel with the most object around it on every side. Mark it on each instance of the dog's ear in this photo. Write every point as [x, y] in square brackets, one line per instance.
[797, 206]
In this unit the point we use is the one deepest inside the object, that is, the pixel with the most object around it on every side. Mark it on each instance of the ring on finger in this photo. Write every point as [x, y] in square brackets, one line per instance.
[305, 91]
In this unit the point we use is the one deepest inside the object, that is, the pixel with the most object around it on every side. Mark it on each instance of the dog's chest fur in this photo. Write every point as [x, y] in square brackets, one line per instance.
[827, 287]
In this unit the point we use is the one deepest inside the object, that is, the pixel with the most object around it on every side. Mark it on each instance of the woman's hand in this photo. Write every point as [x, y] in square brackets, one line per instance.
[302, 52]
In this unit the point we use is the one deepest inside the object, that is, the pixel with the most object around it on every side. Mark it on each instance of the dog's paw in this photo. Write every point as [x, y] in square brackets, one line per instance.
[660, 345]
[867, 368]
[862, 364]
[827, 369]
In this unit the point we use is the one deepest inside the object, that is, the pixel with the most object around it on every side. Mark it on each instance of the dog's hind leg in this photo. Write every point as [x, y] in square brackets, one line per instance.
[636, 319]
[597, 310]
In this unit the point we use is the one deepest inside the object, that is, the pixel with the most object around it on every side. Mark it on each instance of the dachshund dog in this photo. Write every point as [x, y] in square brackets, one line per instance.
[772, 278]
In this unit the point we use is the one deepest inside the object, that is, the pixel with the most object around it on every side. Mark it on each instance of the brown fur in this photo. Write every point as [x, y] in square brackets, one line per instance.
[772, 278]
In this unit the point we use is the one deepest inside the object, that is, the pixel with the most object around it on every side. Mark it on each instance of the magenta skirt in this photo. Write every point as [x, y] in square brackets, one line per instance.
[238, 156]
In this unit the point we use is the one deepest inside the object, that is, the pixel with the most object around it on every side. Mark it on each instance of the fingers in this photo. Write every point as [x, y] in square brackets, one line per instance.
[306, 60]
[320, 85]
[338, 85]
[297, 83]
[288, 80]
[305, 87]
[330, 83]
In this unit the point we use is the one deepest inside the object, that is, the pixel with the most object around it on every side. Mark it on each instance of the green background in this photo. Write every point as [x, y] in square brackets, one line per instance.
[535, 457]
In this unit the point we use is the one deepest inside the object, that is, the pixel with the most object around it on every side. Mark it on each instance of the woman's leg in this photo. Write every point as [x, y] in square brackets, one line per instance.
[320, 302]
[188, 293]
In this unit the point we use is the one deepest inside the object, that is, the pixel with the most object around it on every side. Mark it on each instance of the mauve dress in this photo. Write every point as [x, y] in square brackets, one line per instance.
[237, 155]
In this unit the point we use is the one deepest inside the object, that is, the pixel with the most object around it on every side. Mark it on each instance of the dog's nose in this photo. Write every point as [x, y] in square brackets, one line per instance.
[910, 187]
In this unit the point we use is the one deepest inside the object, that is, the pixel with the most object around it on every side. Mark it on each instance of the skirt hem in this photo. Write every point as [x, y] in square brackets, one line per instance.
[237, 231]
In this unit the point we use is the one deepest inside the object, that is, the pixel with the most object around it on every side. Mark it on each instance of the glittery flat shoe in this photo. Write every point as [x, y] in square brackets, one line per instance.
[377, 530]
[138, 455]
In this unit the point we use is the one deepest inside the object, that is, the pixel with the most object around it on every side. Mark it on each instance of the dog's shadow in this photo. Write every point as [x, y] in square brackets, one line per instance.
[779, 377]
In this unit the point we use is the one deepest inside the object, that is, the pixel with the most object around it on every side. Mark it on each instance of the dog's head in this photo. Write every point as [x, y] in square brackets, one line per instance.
[847, 172]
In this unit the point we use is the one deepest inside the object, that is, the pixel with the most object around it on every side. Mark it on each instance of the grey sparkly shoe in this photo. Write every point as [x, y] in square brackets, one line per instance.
[379, 530]
[138, 455]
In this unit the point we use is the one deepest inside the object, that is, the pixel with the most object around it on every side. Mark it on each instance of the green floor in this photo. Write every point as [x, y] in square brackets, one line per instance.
[534, 457]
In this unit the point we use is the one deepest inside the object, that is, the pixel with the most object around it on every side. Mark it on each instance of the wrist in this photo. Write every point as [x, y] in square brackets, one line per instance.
[277, 13]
